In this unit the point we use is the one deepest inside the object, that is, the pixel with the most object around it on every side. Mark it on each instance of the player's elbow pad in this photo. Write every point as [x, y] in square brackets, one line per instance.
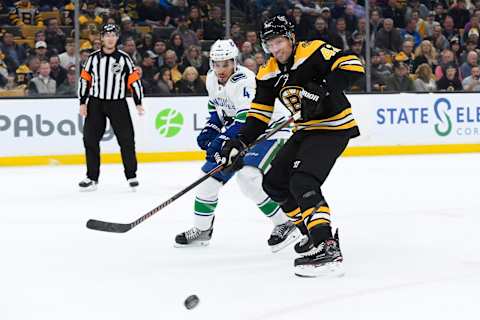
[340, 80]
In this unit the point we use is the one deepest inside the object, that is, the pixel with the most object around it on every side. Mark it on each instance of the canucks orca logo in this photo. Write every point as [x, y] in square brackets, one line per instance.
[290, 98]
[237, 77]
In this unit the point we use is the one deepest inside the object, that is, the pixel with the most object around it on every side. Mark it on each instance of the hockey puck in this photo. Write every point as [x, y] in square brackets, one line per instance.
[191, 302]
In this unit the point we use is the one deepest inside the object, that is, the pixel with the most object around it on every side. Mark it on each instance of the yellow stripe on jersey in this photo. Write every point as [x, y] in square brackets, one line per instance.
[348, 125]
[304, 50]
[341, 121]
[350, 67]
[338, 116]
[260, 111]
[262, 107]
[343, 59]
[269, 70]
[259, 117]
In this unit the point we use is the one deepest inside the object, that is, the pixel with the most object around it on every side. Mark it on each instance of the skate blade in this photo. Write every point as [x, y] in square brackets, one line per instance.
[192, 245]
[332, 269]
[88, 189]
[291, 238]
[133, 189]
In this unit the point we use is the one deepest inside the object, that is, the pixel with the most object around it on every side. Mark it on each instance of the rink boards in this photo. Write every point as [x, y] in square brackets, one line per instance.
[49, 131]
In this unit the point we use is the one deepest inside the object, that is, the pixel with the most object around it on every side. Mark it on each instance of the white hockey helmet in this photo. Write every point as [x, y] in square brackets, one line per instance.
[223, 50]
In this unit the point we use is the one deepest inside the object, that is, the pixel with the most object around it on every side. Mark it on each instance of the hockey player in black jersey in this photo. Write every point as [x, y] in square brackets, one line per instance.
[307, 77]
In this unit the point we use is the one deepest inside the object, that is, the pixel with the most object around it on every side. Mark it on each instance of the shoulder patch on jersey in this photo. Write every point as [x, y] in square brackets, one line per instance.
[304, 50]
[328, 51]
[237, 77]
[269, 70]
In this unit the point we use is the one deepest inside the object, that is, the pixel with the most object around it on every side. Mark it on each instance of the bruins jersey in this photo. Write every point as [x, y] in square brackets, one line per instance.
[25, 14]
[314, 61]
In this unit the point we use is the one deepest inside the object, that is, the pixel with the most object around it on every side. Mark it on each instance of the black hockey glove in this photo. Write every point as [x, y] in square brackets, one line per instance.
[232, 154]
[311, 104]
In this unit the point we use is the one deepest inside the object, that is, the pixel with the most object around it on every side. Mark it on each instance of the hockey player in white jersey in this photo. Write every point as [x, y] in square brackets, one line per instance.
[231, 89]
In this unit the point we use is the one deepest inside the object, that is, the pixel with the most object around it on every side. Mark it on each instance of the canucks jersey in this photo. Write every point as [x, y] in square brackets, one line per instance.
[313, 61]
[229, 104]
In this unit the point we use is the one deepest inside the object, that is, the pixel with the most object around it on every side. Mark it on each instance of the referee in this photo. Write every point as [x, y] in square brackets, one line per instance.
[104, 80]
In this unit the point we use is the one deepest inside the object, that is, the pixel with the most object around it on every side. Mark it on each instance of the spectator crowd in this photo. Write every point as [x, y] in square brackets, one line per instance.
[167, 40]
[415, 45]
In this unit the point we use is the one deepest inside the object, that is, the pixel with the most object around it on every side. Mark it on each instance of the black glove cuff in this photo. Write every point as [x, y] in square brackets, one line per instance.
[243, 140]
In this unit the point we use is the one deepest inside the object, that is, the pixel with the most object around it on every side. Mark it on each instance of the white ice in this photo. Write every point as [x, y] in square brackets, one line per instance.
[409, 228]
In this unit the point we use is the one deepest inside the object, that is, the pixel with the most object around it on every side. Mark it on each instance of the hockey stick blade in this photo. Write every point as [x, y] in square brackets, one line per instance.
[108, 226]
[124, 227]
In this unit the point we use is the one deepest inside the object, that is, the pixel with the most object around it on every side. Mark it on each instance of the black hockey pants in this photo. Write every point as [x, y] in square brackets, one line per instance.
[95, 124]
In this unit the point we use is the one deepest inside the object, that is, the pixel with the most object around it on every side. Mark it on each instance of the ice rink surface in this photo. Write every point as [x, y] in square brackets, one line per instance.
[409, 231]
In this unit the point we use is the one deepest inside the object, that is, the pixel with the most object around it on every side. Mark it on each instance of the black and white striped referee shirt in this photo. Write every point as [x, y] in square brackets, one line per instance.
[108, 76]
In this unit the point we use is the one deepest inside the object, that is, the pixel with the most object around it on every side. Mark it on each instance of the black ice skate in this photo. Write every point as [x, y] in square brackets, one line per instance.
[304, 245]
[87, 185]
[283, 235]
[324, 260]
[193, 237]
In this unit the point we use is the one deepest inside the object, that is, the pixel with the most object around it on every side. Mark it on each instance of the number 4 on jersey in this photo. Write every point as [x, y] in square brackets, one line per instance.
[245, 93]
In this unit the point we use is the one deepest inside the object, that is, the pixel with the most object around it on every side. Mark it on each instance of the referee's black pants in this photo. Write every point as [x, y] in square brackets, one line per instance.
[95, 124]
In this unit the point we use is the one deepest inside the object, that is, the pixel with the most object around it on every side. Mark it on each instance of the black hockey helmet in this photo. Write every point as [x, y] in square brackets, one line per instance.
[277, 26]
[110, 27]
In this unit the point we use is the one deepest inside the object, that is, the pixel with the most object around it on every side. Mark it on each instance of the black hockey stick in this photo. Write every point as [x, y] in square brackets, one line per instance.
[124, 227]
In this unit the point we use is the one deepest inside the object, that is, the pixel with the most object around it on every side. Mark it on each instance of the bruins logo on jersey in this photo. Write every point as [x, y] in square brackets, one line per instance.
[290, 96]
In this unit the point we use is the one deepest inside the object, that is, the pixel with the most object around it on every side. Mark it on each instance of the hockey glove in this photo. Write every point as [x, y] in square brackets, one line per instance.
[311, 104]
[209, 133]
[215, 146]
[232, 154]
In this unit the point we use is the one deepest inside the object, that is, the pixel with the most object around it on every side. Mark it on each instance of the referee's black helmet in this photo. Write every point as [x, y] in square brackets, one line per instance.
[110, 27]
[275, 27]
